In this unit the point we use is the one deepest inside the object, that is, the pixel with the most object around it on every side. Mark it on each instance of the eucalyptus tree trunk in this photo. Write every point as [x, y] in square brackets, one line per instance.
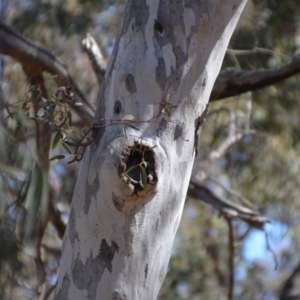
[133, 179]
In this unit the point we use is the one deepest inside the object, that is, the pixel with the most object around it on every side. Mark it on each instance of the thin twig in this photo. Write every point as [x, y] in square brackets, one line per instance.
[200, 190]
[233, 192]
[269, 248]
[232, 82]
[231, 264]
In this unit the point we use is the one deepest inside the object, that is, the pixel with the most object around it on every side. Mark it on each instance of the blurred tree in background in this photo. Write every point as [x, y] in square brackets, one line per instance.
[258, 169]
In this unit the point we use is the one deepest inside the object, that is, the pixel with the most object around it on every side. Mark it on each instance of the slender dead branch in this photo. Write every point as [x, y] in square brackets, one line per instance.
[227, 208]
[96, 57]
[231, 267]
[233, 137]
[253, 51]
[231, 83]
[213, 251]
[235, 193]
[35, 59]
[269, 248]
[227, 143]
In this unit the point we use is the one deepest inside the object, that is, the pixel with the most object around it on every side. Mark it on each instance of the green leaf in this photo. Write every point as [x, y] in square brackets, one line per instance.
[166, 112]
[144, 164]
[144, 177]
[60, 116]
[34, 198]
[133, 127]
[57, 157]
[130, 169]
[70, 118]
[56, 139]
[65, 146]
[22, 196]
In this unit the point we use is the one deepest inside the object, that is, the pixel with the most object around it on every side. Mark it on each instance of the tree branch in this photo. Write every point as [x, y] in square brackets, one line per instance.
[231, 265]
[231, 83]
[225, 206]
[35, 59]
[96, 57]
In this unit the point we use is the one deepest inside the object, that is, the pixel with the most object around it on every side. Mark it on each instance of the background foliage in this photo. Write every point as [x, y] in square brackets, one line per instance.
[263, 167]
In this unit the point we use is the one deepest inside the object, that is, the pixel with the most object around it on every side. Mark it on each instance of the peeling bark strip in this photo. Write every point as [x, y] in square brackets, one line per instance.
[161, 73]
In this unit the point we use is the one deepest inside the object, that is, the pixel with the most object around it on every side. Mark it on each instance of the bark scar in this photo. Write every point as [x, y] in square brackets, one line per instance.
[198, 123]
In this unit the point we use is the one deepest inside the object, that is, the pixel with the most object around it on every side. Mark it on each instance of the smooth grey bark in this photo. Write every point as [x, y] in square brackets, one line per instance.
[133, 180]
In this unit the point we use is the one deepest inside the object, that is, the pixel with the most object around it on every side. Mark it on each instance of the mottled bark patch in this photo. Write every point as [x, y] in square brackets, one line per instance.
[130, 84]
[200, 8]
[118, 202]
[158, 27]
[169, 13]
[62, 294]
[72, 227]
[137, 11]
[178, 131]
[87, 276]
[146, 271]
[160, 73]
[98, 125]
[91, 190]
[117, 296]
[161, 127]
[117, 107]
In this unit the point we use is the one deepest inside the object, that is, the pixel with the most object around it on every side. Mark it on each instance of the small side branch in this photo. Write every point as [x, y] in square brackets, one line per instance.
[96, 57]
[231, 264]
[226, 207]
[231, 83]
